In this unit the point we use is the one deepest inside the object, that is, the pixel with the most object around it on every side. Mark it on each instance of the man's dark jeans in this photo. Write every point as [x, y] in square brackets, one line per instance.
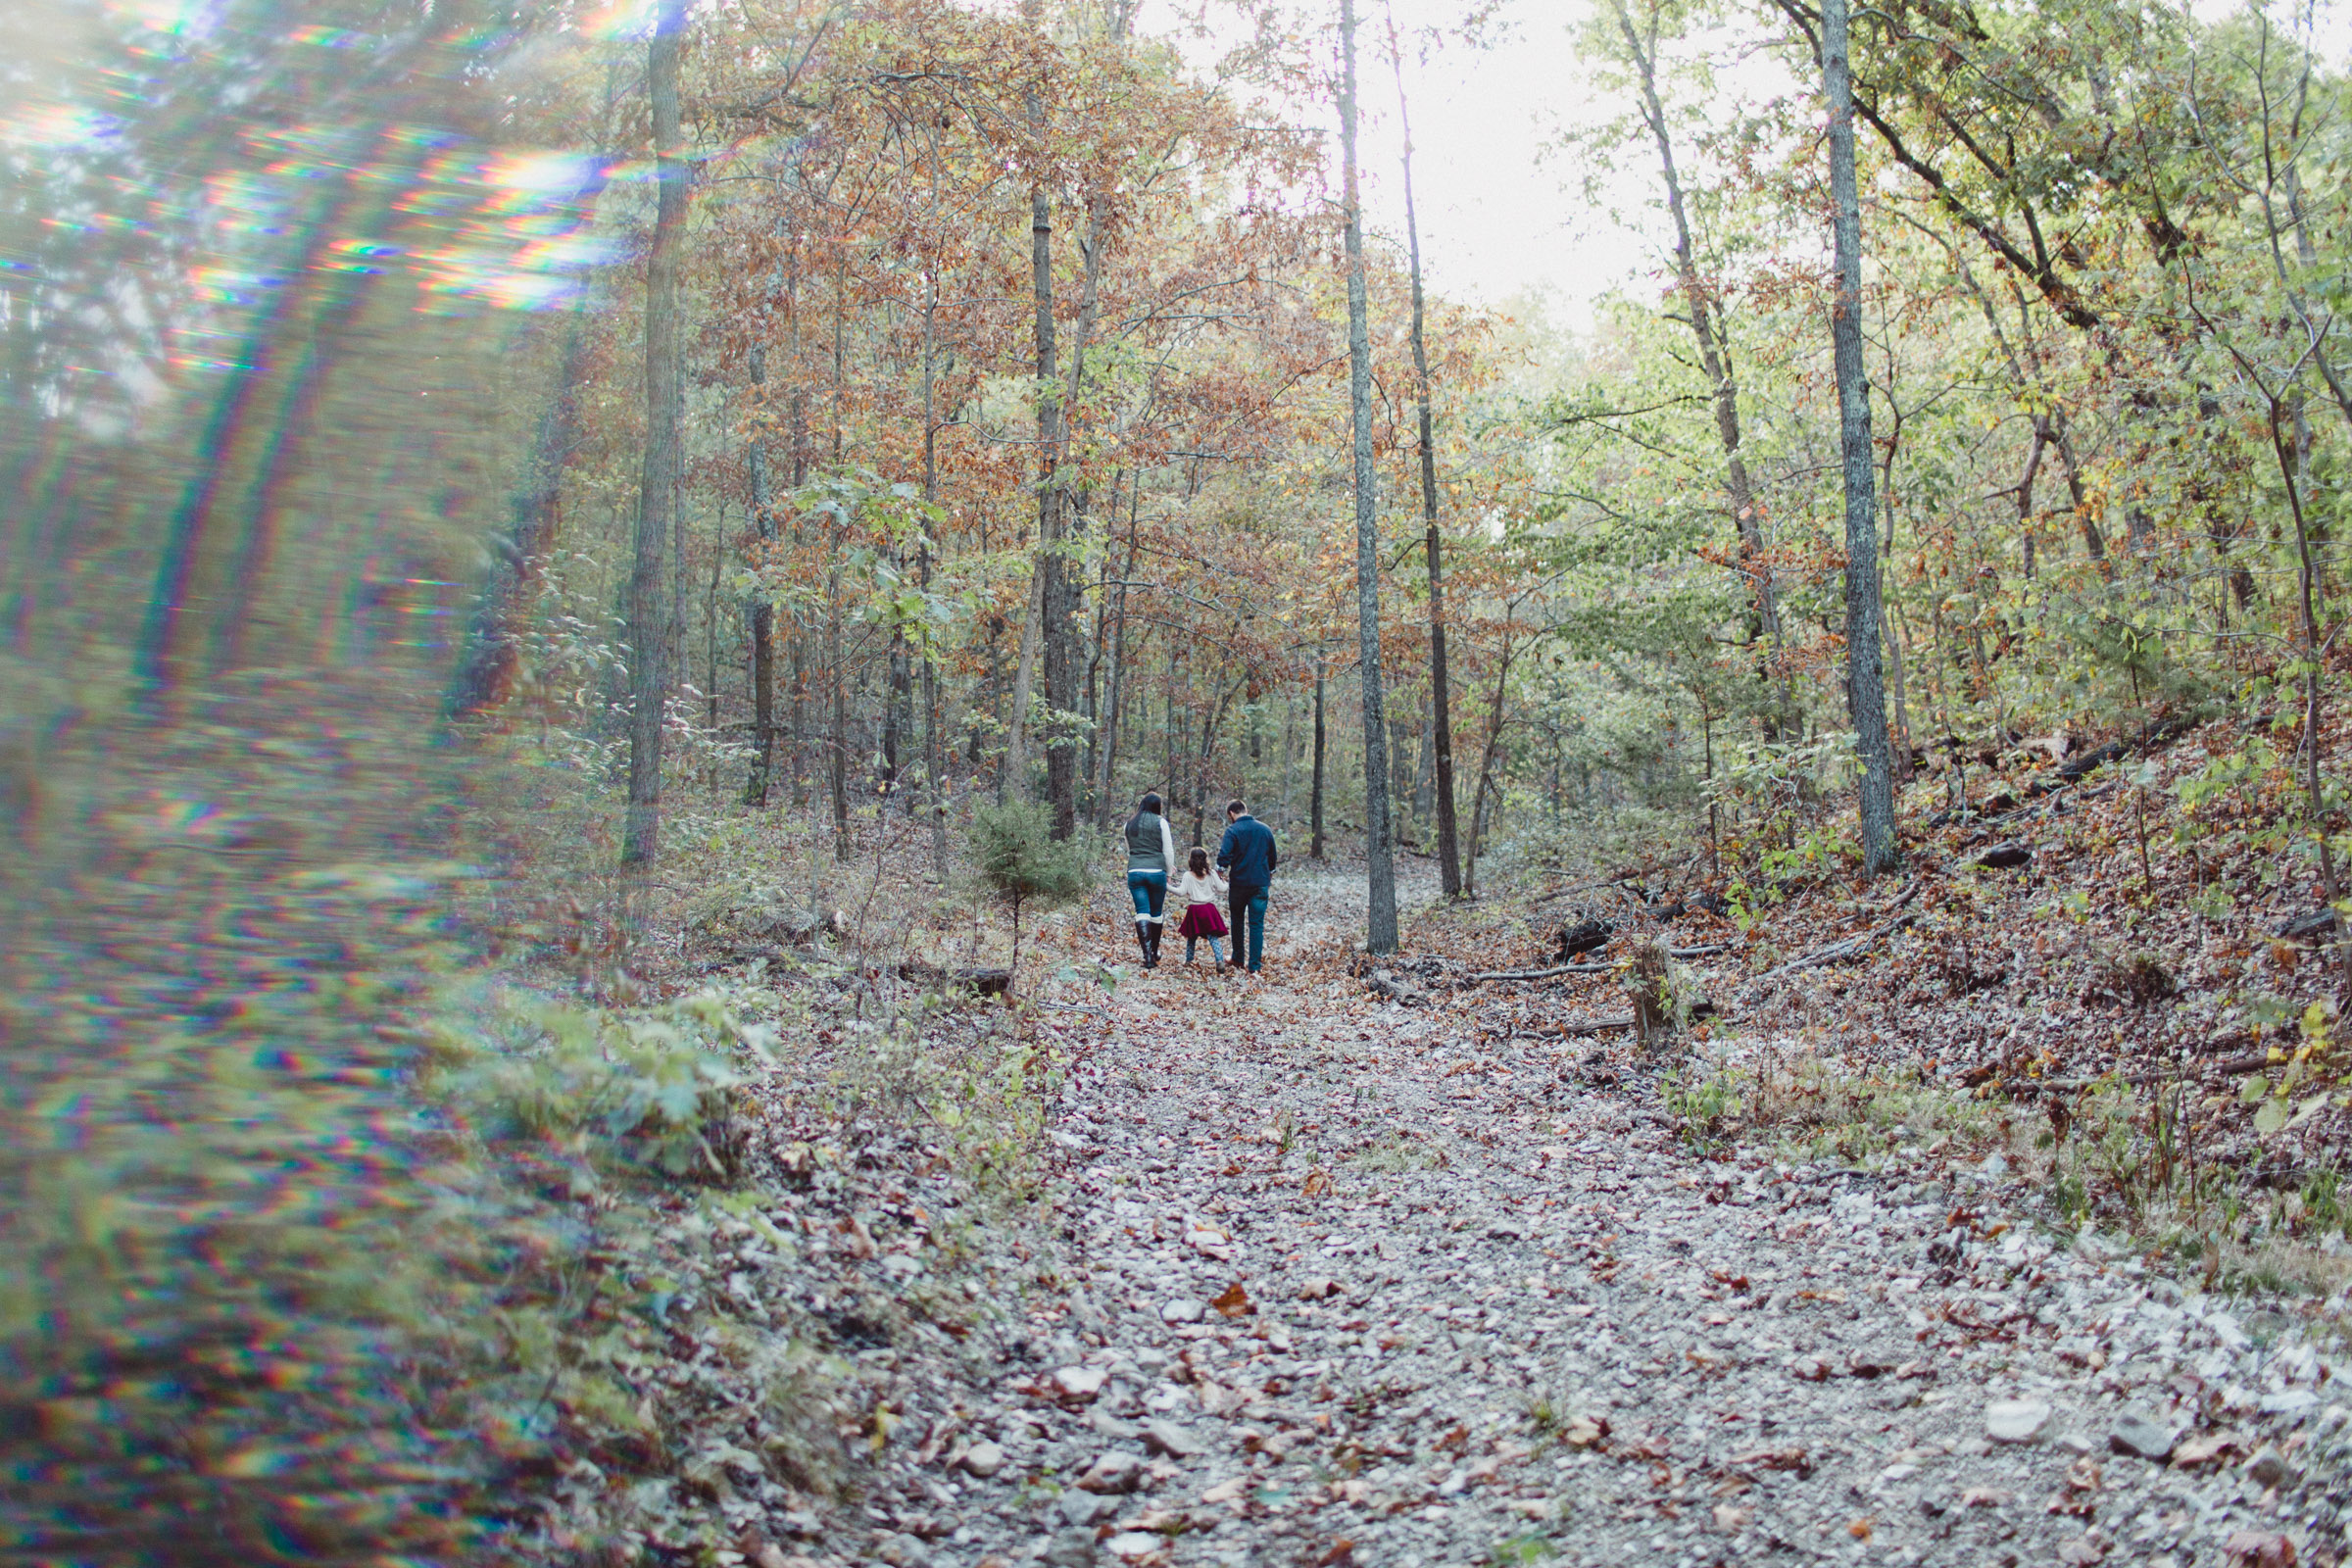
[1249, 905]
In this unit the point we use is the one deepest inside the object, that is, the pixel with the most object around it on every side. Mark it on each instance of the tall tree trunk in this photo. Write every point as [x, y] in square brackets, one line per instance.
[796, 756]
[1065, 511]
[1450, 858]
[935, 761]
[1380, 931]
[1865, 693]
[678, 665]
[1175, 664]
[764, 609]
[1012, 777]
[486, 675]
[837, 761]
[1425, 777]
[1486, 766]
[1314, 796]
[1114, 684]
[1714, 357]
[657, 489]
[1052, 586]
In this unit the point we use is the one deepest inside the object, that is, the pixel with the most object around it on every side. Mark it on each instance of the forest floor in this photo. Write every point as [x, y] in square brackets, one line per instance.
[1332, 1279]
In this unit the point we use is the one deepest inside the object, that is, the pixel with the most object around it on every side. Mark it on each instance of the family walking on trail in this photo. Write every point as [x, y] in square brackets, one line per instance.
[1243, 876]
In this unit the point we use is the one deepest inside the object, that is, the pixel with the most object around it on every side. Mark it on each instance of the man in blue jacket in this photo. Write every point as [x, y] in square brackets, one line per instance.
[1248, 859]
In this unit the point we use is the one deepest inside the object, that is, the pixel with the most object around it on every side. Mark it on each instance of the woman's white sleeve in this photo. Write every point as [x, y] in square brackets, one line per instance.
[1168, 845]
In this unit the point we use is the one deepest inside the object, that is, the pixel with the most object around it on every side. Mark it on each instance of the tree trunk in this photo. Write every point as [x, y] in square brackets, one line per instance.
[1865, 693]
[1062, 512]
[1380, 934]
[764, 609]
[935, 761]
[1714, 355]
[1486, 766]
[486, 676]
[657, 489]
[1314, 797]
[837, 771]
[1114, 703]
[1440, 722]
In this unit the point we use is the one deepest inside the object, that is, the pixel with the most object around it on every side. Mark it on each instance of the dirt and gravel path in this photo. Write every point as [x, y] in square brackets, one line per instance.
[1342, 1283]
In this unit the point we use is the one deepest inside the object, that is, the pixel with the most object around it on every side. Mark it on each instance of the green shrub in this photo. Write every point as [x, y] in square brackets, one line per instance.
[1016, 857]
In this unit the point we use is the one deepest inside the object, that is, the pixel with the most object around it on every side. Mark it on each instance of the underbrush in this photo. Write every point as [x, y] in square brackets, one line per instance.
[2102, 1158]
[736, 1170]
[327, 1241]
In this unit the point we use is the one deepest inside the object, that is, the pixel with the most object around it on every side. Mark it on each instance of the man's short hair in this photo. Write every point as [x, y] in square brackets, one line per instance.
[1236, 809]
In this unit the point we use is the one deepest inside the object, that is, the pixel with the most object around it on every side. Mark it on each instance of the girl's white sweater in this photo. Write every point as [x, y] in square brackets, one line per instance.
[1190, 889]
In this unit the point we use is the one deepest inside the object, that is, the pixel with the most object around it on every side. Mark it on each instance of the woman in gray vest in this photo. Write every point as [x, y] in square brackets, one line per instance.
[1150, 857]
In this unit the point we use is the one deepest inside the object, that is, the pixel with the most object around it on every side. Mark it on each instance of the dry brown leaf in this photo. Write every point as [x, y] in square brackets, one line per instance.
[2259, 1549]
[1234, 1302]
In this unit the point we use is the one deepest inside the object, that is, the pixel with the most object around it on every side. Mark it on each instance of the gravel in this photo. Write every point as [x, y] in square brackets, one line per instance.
[1463, 1306]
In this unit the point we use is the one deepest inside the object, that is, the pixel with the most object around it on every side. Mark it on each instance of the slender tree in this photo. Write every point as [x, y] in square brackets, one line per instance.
[1704, 313]
[1379, 935]
[764, 609]
[1864, 686]
[656, 493]
[1449, 855]
[1314, 798]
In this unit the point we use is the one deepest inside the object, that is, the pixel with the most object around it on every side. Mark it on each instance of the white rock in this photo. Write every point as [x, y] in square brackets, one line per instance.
[1113, 1472]
[1080, 1382]
[1177, 1442]
[2016, 1420]
[1183, 1310]
[983, 1460]
[1135, 1544]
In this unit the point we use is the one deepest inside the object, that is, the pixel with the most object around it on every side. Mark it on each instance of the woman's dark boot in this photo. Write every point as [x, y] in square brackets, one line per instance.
[1152, 950]
[1143, 941]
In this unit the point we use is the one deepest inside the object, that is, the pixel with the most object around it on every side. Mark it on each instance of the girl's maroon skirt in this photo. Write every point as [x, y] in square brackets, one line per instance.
[1201, 920]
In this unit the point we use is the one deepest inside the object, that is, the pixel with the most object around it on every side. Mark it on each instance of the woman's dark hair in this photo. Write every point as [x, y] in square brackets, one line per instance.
[1199, 862]
[1151, 805]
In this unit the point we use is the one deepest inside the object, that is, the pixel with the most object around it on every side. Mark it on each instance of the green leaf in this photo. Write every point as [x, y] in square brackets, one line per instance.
[2271, 1116]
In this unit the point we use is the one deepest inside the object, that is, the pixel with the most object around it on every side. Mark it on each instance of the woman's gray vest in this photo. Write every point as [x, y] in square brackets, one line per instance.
[1142, 844]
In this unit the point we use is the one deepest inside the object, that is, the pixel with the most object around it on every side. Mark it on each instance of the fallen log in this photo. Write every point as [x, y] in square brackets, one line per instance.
[1546, 974]
[2234, 1067]
[1700, 952]
[987, 982]
[1838, 952]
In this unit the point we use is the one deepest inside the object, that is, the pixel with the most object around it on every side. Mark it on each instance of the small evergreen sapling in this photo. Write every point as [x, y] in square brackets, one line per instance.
[1017, 857]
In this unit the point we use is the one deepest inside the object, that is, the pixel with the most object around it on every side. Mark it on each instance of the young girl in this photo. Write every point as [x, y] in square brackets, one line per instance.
[1198, 891]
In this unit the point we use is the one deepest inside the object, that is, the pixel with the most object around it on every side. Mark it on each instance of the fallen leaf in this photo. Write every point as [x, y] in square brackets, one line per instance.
[2203, 1448]
[1235, 1302]
[1584, 1432]
[1859, 1530]
[1341, 1554]
[2258, 1548]
[1984, 1497]
[1729, 1520]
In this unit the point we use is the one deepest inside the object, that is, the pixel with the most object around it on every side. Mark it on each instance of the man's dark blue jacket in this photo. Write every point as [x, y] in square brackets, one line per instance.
[1247, 853]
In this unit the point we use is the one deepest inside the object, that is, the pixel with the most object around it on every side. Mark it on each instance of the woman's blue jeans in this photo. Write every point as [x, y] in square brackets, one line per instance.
[1150, 891]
